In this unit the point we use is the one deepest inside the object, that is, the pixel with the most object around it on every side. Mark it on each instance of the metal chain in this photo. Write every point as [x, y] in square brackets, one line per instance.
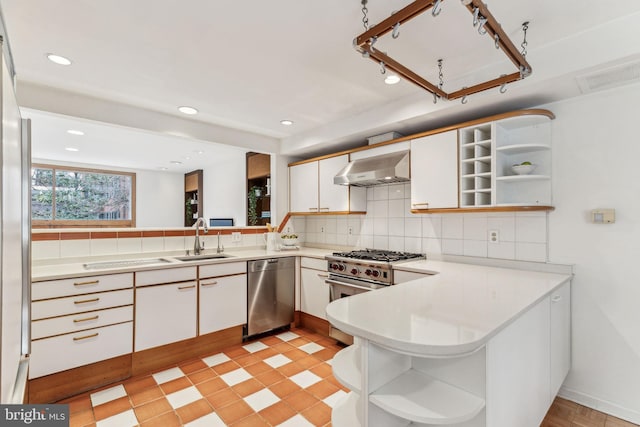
[365, 18]
[440, 75]
[525, 27]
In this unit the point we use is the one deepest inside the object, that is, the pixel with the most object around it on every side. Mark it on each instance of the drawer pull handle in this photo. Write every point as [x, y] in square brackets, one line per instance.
[86, 337]
[84, 301]
[324, 209]
[92, 282]
[323, 275]
[86, 319]
[209, 284]
[313, 209]
[556, 298]
[186, 287]
[420, 204]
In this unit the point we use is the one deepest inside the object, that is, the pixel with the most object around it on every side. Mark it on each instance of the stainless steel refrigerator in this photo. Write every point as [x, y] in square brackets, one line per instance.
[15, 232]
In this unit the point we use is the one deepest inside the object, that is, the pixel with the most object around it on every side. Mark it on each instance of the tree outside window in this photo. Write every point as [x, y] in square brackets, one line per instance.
[74, 197]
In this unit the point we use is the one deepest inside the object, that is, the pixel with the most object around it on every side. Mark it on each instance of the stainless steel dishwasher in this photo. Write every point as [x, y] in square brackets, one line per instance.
[270, 294]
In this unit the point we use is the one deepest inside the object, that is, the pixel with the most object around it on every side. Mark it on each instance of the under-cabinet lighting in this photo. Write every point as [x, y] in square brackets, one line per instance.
[71, 149]
[57, 59]
[391, 79]
[175, 162]
[75, 132]
[286, 122]
[188, 110]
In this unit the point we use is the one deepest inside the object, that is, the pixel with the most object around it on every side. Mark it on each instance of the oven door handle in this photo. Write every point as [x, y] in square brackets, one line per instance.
[350, 285]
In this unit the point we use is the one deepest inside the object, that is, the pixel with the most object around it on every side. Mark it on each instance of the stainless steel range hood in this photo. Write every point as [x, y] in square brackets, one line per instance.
[382, 169]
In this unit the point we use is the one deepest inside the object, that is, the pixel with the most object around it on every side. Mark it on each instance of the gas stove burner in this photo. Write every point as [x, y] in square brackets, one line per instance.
[378, 255]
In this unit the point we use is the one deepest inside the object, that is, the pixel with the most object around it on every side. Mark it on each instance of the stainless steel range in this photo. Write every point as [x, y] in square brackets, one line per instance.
[354, 272]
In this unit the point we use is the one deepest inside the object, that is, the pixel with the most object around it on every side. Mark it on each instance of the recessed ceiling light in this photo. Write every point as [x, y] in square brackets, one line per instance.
[162, 168]
[71, 149]
[57, 59]
[188, 110]
[199, 152]
[286, 122]
[175, 162]
[391, 79]
[187, 158]
[75, 132]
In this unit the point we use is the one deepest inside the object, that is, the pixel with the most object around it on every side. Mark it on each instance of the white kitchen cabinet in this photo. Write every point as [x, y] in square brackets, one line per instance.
[489, 150]
[165, 311]
[560, 337]
[311, 188]
[434, 171]
[89, 317]
[223, 296]
[314, 292]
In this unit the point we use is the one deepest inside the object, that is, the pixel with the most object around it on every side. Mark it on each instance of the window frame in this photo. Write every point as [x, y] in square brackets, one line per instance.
[74, 223]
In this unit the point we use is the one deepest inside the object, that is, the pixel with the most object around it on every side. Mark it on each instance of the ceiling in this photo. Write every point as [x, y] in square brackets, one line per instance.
[247, 65]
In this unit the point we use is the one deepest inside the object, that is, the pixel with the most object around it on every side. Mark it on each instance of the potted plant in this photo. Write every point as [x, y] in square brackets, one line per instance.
[252, 210]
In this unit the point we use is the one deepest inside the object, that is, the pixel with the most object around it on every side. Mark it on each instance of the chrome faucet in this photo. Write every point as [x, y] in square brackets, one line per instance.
[220, 246]
[196, 245]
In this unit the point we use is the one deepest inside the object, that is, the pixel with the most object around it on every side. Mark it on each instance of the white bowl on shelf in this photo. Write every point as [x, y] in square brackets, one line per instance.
[289, 241]
[523, 169]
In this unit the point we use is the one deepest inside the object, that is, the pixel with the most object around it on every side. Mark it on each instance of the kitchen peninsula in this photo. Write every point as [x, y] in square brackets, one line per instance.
[469, 346]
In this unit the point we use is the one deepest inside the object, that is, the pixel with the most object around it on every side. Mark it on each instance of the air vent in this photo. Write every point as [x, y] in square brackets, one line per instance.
[620, 75]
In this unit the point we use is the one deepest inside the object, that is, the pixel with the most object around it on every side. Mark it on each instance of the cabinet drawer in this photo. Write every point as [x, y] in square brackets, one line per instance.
[63, 352]
[80, 285]
[168, 275]
[80, 304]
[315, 263]
[227, 269]
[79, 322]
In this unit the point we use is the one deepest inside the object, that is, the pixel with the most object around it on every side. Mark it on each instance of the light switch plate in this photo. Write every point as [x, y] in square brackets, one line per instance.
[603, 216]
[236, 236]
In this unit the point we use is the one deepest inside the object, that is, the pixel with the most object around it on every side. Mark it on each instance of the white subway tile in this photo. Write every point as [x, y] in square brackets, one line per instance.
[149, 244]
[506, 227]
[413, 244]
[312, 238]
[353, 239]
[331, 238]
[431, 246]
[475, 227]
[453, 246]
[531, 229]
[380, 227]
[45, 249]
[396, 208]
[367, 226]
[396, 243]
[413, 227]
[503, 250]
[355, 222]
[432, 226]
[477, 248]
[396, 227]
[366, 242]
[370, 193]
[342, 226]
[130, 245]
[407, 190]
[342, 239]
[380, 242]
[531, 252]
[452, 227]
[381, 192]
[174, 243]
[331, 225]
[105, 246]
[407, 209]
[380, 208]
[396, 191]
[74, 248]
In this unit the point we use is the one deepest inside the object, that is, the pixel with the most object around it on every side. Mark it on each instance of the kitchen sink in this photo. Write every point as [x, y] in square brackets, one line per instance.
[124, 263]
[201, 257]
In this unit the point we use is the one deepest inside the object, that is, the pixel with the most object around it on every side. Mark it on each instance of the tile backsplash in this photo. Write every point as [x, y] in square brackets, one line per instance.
[389, 224]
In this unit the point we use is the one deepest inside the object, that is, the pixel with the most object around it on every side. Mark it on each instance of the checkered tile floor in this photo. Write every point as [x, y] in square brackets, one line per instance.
[281, 380]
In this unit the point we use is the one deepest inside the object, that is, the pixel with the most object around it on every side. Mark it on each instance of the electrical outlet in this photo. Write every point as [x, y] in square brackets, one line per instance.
[494, 236]
[322, 229]
[350, 230]
[236, 236]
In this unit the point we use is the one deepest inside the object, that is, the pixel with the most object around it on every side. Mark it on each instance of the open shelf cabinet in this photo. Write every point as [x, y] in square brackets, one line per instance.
[193, 203]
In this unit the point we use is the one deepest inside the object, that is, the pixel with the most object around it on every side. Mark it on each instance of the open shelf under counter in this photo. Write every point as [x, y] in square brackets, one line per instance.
[346, 367]
[418, 397]
[345, 413]
[522, 148]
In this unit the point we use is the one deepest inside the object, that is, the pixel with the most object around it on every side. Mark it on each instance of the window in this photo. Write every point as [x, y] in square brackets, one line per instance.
[75, 197]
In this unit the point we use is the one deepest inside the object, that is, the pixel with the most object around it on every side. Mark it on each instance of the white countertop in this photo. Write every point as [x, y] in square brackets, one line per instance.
[65, 268]
[453, 312]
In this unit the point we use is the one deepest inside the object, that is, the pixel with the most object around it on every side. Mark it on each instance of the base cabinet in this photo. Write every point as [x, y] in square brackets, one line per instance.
[510, 381]
[314, 292]
[223, 297]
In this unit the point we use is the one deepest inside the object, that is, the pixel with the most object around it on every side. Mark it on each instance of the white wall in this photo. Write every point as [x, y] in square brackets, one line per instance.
[225, 187]
[159, 199]
[595, 165]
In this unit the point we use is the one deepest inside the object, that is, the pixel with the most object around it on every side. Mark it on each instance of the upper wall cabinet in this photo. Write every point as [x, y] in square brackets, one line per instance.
[488, 153]
[434, 171]
[311, 188]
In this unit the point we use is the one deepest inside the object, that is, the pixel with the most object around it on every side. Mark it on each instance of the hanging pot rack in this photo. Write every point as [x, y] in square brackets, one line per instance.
[487, 25]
